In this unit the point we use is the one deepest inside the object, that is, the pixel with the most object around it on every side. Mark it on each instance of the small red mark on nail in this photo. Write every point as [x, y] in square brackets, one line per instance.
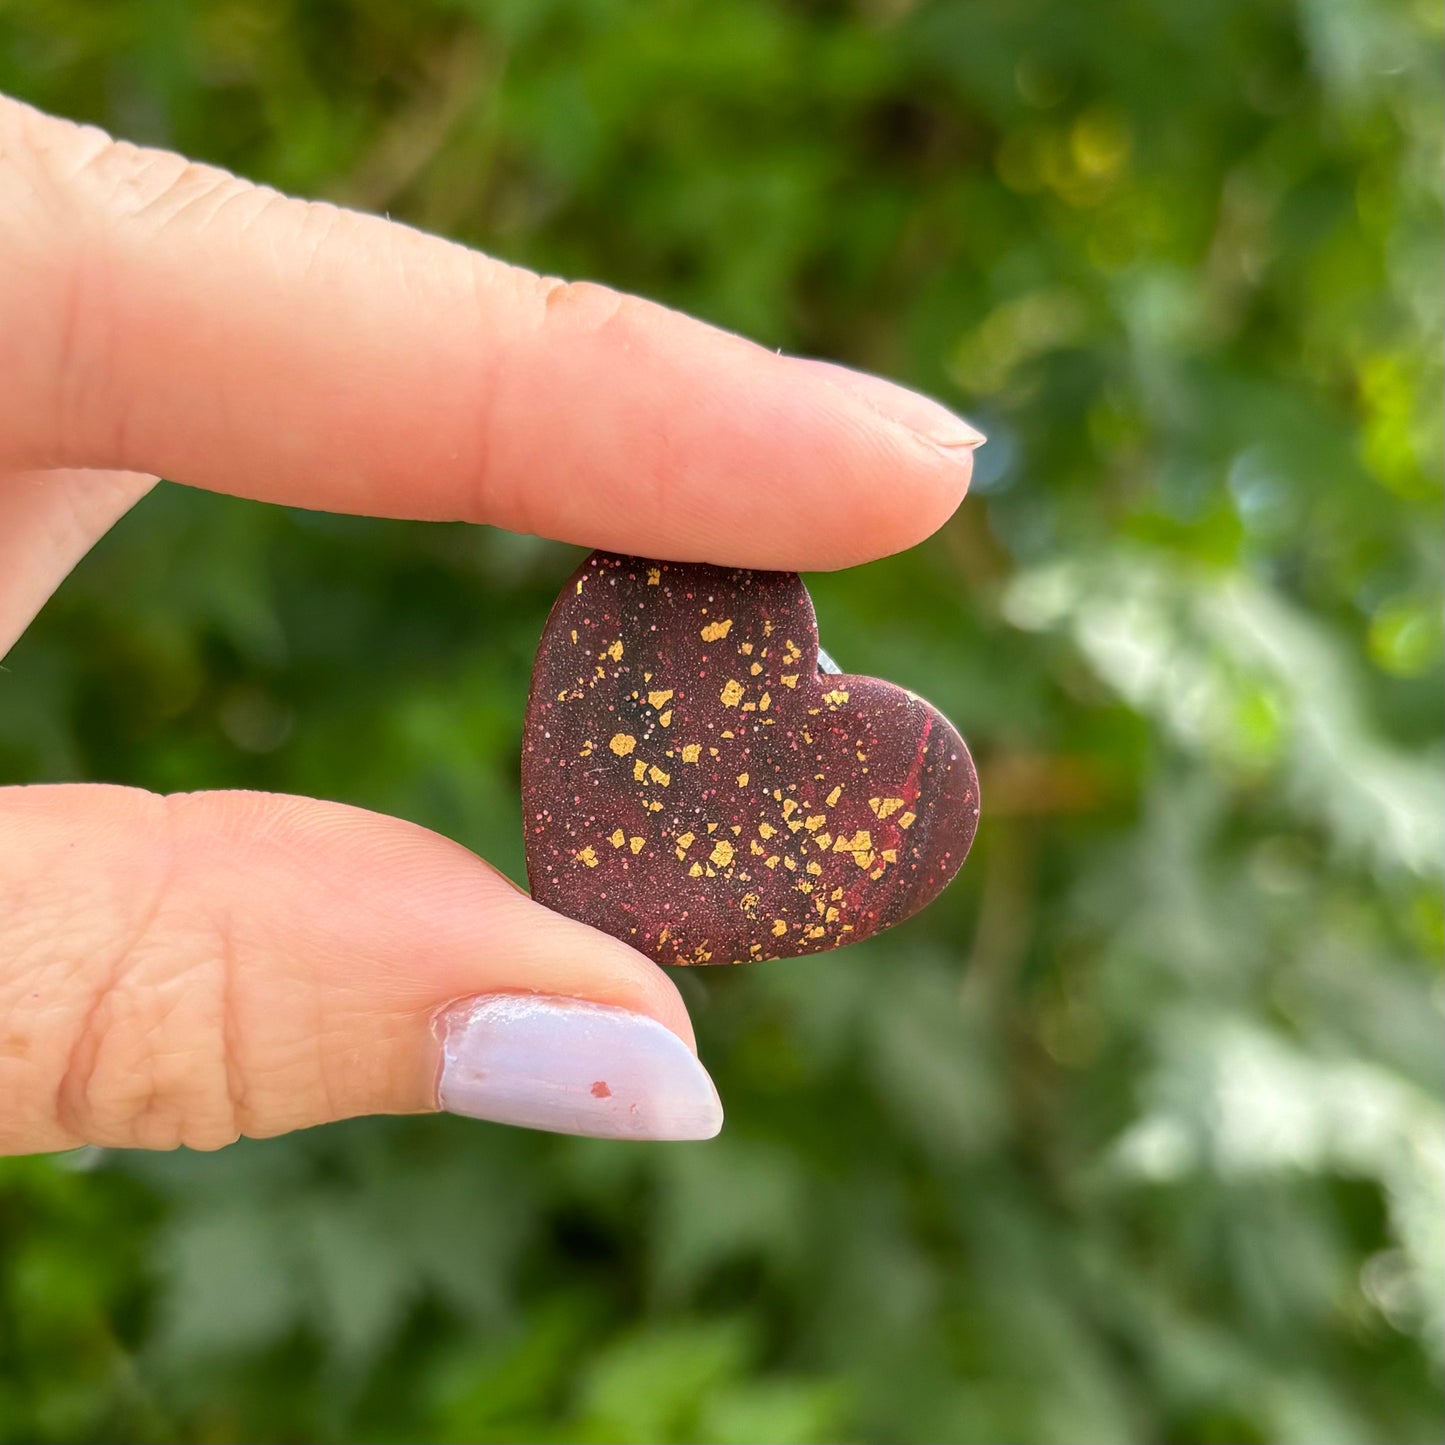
[600, 1090]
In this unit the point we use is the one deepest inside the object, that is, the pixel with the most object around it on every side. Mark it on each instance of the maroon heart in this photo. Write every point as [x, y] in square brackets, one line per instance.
[694, 786]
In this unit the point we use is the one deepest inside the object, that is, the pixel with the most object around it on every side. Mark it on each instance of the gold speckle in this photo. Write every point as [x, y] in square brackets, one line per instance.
[767, 628]
[765, 702]
[789, 679]
[749, 902]
[834, 796]
[815, 868]
[742, 780]
[885, 806]
[790, 863]
[658, 776]
[622, 744]
[662, 695]
[865, 858]
[889, 855]
[665, 718]
[695, 871]
[750, 707]
[653, 807]
[580, 581]
[614, 650]
[907, 820]
[691, 752]
[791, 651]
[766, 830]
[639, 771]
[732, 693]
[586, 749]
[824, 841]
[712, 752]
[654, 576]
[716, 631]
[574, 637]
[636, 844]
[712, 827]
[816, 930]
[755, 668]
[685, 841]
[803, 886]
[837, 697]
[587, 855]
[722, 853]
[771, 862]
[726, 733]
[664, 935]
[746, 648]
[790, 806]
[814, 821]
[755, 848]
[618, 838]
[780, 927]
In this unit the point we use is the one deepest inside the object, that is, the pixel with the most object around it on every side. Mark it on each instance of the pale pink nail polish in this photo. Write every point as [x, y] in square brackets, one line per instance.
[572, 1067]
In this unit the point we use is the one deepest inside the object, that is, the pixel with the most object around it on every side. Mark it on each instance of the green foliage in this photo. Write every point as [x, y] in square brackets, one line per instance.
[1137, 1135]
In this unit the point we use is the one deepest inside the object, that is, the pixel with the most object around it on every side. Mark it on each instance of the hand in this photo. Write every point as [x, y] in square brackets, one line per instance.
[183, 970]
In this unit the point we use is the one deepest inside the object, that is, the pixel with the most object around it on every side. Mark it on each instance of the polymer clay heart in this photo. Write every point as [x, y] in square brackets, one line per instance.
[693, 785]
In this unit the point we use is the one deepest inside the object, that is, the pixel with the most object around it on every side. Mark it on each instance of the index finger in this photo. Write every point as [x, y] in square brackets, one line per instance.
[164, 317]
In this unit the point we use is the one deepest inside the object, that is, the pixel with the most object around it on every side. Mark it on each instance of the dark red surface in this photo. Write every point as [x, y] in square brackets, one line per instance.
[692, 785]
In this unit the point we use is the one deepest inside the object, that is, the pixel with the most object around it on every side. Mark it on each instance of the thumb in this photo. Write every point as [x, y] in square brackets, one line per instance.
[185, 970]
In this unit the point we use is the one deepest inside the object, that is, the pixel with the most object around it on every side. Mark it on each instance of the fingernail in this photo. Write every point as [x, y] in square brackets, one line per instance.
[572, 1067]
[933, 422]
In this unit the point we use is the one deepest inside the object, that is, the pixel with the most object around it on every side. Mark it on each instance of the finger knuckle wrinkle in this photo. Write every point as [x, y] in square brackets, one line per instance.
[155, 189]
[151, 1063]
[583, 305]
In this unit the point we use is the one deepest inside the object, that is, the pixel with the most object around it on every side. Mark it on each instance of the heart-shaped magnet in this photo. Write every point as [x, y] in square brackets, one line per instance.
[695, 786]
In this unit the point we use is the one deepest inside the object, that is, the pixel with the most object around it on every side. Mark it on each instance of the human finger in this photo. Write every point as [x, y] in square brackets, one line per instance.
[48, 522]
[167, 317]
[186, 970]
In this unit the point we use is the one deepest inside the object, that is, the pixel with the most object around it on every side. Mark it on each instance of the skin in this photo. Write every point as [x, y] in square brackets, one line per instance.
[184, 970]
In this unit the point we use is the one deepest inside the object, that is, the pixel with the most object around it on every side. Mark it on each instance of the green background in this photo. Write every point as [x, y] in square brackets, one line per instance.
[1137, 1134]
